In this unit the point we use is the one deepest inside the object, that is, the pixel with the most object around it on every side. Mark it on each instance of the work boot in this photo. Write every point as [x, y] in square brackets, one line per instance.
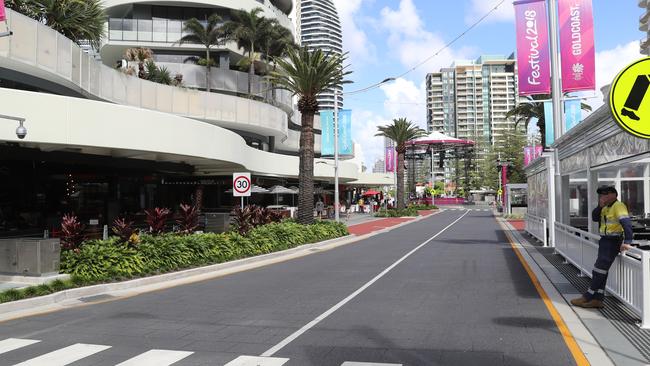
[593, 304]
[579, 301]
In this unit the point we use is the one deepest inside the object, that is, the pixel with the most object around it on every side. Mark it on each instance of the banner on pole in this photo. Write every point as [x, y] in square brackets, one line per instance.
[533, 56]
[345, 132]
[389, 157]
[3, 15]
[572, 113]
[577, 45]
[531, 153]
[548, 123]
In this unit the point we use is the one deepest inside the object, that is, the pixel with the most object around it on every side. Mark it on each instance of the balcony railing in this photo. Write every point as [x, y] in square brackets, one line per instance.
[146, 30]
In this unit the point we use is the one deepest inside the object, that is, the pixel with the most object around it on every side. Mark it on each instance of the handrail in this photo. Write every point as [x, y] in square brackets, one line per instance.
[629, 276]
[536, 226]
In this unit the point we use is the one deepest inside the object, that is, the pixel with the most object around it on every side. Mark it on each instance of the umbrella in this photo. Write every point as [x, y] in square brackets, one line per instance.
[370, 193]
[254, 189]
[278, 190]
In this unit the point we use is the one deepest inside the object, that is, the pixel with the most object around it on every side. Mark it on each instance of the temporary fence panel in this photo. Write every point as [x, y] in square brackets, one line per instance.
[536, 226]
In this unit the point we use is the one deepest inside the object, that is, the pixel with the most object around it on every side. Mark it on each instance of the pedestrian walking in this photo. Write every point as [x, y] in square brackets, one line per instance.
[615, 236]
[320, 206]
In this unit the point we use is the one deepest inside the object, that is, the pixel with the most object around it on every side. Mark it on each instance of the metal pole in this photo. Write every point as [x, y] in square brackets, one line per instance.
[336, 154]
[433, 181]
[556, 94]
[242, 202]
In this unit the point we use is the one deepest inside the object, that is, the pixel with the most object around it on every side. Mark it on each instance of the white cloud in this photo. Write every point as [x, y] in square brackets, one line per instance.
[411, 41]
[355, 40]
[405, 99]
[609, 63]
[478, 8]
[365, 127]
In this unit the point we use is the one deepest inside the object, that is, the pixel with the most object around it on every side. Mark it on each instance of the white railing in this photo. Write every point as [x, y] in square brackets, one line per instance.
[536, 226]
[42, 52]
[629, 276]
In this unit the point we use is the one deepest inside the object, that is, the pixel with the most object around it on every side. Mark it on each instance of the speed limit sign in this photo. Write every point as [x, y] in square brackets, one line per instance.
[241, 184]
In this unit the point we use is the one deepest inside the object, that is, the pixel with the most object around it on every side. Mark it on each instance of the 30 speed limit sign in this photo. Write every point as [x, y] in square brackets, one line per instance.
[241, 184]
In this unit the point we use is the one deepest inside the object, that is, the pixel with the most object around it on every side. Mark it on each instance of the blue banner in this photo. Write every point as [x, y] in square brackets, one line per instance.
[548, 122]
[345, 132]
[572, 113]
[327, 130]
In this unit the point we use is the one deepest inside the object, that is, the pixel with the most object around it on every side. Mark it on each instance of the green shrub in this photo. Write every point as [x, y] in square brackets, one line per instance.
[410, 211]
[99, 261]
[424, 207]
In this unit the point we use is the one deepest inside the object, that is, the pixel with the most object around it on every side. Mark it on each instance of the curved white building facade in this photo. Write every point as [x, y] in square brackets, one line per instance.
[319, 27]
[102, 143]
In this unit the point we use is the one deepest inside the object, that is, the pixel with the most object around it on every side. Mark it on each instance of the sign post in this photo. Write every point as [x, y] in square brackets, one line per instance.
[241, 186]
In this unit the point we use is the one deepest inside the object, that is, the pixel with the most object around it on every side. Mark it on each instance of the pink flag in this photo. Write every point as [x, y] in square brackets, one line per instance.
[577, 45]
[533, 56]
[3, 16]
[528, 155]
[389, 156]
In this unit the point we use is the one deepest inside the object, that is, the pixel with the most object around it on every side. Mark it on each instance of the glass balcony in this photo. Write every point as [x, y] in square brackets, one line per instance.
[146, 30]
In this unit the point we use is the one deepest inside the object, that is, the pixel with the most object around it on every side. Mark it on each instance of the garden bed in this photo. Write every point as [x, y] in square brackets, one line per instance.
[112, 260]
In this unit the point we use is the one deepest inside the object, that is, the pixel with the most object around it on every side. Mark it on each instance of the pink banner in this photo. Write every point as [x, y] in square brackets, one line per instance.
[531, 153]
[533, 56]
[577, 45]
[389, 156]
[3, 16]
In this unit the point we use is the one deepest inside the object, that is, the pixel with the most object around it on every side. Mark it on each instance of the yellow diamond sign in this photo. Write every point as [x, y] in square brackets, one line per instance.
[629, 99]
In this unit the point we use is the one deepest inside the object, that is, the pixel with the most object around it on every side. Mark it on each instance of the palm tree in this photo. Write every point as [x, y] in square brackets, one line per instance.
[78, 20]
[249, 29]
[212, 34]
[533, 107]
[306, 74]
[401, 131]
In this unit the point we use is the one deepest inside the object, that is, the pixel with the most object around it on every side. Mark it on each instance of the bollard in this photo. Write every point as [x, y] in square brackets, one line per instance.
[46, 234]
[105, 233]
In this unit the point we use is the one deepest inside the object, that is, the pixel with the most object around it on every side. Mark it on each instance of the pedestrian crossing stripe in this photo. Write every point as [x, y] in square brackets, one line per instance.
[155, 357]
[11, 344]
[257, 361]
[65, 356]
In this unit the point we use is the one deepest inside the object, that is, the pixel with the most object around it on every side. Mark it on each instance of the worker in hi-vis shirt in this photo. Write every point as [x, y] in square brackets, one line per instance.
[615, 236]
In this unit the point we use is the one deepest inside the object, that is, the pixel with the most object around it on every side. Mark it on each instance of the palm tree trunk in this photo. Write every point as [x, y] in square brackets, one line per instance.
[207, 73]
[399, 189]
[251, 71]
[306, 173]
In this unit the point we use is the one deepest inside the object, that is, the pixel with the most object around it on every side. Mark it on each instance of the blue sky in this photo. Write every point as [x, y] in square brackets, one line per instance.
[387, 37]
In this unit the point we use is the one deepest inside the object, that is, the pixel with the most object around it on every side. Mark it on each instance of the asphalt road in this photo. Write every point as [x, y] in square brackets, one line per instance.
[460, 299]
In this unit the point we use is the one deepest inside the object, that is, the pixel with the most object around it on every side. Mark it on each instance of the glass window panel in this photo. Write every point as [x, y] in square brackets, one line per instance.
[633, 171]
[632, 195]
[607, 174]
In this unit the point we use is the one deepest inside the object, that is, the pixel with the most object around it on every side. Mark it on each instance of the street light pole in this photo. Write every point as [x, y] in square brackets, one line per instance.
[336, 154]
[556, 95]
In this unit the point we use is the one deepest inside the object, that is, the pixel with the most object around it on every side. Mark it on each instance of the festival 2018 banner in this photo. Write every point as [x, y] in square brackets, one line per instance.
[3, 16]
[577, 45]
[533, 56]
[389, 157]
[531, 153]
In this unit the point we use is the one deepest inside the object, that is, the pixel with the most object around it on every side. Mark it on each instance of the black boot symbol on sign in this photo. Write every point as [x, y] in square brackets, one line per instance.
[636, 96]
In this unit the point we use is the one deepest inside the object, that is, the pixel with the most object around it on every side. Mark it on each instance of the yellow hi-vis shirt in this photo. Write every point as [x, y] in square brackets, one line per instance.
[610, 218]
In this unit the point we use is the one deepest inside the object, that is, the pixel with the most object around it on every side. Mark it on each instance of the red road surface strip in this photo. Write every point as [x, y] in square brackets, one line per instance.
[369, 227]
[518, 224]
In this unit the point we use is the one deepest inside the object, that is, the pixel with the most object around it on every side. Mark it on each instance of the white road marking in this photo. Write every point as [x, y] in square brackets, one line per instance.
[11, 344]
[257, 361]
[271, 351]
[156, 357]
[65, 356]
[348, 363]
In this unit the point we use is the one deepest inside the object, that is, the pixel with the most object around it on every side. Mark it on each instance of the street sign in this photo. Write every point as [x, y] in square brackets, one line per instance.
[241, 184]
[499, 192]
[629, 101]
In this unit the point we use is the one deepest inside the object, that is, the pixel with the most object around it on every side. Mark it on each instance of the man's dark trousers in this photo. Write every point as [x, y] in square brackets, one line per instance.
[608, 249]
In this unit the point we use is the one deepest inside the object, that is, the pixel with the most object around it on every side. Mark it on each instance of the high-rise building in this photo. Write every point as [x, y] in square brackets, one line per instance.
[470, 99]
[380, 166]
[644, 20]
[318, 27]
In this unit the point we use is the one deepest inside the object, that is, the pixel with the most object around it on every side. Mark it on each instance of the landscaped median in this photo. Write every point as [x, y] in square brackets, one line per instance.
[115, 259]
[410, 211]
